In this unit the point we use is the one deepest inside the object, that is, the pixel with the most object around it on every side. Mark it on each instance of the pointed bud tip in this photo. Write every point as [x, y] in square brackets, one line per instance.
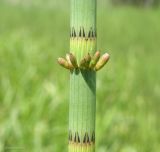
[60, 60]
[106, 56]
[97, 53]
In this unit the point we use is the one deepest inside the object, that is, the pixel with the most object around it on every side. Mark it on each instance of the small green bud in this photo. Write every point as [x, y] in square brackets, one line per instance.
[102, 61]
[64, 63]
[73, 60]
[94, 59]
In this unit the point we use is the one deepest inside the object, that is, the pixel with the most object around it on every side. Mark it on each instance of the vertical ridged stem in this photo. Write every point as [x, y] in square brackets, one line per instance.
[82, 104]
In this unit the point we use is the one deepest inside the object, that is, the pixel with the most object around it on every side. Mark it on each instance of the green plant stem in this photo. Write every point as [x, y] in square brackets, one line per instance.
[82, 105]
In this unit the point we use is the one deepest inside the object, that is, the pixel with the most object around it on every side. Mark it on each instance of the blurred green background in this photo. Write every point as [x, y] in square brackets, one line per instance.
[34, 89]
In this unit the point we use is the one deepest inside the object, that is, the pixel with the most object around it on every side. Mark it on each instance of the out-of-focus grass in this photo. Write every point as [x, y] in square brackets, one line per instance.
[34, 89]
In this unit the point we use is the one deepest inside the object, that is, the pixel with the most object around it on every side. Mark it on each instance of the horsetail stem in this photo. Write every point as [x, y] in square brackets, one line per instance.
[83, 84]
[83, 61]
